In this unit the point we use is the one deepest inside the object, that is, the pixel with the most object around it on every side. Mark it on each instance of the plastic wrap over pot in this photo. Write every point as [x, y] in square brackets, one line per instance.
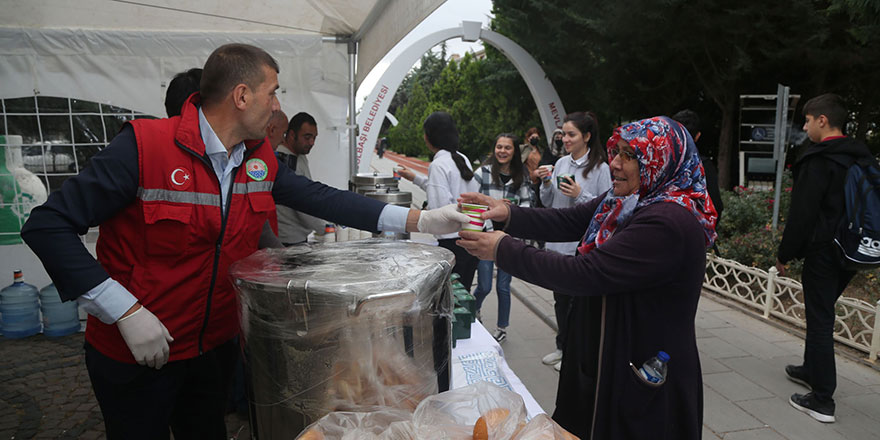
[342, 327]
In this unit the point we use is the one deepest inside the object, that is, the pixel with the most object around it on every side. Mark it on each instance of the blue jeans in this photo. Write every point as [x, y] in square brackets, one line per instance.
[484, 286]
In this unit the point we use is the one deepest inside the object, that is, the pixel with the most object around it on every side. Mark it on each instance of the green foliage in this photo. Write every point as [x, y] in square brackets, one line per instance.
[470, 90]
[630, 59]
[407, 137]
[756, 248]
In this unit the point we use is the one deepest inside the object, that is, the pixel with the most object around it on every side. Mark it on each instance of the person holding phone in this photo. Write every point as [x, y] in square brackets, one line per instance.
[578, 177]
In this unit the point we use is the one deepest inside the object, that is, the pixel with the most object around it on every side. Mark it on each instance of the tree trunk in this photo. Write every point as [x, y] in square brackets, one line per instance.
[727, 139]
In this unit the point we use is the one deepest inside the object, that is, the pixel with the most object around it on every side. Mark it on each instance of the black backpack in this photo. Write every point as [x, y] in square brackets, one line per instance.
[858, 234]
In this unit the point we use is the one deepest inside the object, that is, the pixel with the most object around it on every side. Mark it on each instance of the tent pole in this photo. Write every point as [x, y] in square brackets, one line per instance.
[352, 112]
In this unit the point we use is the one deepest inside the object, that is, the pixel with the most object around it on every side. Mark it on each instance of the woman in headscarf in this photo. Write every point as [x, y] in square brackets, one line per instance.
[636, 280]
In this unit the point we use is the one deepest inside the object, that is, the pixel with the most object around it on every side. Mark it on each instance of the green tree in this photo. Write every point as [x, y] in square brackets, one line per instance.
[635, 58]
[407, 137]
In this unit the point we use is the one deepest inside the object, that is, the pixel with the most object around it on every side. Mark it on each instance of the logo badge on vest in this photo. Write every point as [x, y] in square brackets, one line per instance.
[181, 178]
[257, 169]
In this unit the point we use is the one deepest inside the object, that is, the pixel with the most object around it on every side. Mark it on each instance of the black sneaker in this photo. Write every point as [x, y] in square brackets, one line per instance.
[798, 374]
[500, 334]
[808, 404]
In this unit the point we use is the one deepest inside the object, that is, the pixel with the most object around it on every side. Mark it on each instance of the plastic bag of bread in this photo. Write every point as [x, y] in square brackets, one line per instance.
[480, 411]
[382, 424]
[542, 427]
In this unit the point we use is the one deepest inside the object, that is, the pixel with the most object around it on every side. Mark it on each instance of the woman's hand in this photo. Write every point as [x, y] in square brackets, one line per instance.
[480, 244]
[499, 210]
[570, 188]
[405, 173]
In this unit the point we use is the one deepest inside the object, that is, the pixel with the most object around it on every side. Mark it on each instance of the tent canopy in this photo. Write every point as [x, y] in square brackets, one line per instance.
[123, 53]
[377, 24]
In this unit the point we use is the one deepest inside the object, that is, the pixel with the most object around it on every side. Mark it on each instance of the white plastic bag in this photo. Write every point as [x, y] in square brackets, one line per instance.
[453, 414]
[384, 424]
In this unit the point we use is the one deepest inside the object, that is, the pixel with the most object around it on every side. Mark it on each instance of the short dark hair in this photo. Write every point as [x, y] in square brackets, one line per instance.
[181, 86]
[233, 64]
[297, 121]
[830, 105]
[690, 119]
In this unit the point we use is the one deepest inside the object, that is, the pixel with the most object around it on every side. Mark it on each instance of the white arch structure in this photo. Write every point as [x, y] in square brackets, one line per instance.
[374, 108]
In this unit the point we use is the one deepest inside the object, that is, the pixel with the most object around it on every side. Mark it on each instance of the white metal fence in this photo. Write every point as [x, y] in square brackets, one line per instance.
[856, 323]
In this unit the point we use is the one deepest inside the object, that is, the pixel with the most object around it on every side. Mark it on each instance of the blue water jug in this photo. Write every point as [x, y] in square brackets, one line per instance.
[19, 309]
[59, 318]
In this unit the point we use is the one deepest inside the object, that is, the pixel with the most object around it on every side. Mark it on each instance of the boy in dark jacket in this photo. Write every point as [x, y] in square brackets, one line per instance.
[817, 205]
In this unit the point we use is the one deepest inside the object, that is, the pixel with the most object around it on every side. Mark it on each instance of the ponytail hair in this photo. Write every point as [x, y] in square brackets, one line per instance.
[586, 122]
[442, 134]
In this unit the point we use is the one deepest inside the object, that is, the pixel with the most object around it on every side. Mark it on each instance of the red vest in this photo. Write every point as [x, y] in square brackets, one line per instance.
[171, 248]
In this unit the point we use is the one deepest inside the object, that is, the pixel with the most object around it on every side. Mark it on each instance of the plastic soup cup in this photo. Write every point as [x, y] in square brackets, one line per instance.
[474, 211]
[549, 169]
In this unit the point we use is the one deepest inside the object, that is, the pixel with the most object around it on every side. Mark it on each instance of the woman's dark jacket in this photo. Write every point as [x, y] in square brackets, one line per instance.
[644, 284]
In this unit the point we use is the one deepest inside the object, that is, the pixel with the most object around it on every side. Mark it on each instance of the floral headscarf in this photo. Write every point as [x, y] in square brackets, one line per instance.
[670, 171]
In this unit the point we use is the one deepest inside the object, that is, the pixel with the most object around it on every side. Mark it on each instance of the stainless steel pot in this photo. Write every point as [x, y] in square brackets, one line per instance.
[342, 327]
[363, 183]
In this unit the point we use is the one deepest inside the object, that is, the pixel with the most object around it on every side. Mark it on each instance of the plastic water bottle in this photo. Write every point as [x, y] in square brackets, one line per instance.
[19, 309]
[59, 318]
[654, 369]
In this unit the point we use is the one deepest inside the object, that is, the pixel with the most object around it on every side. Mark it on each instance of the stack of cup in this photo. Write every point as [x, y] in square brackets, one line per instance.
[474, 211]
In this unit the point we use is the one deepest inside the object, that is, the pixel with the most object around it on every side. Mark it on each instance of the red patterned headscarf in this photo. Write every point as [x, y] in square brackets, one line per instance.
[670, 171]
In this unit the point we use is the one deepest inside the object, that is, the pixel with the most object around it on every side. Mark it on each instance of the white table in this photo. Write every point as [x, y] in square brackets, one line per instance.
[481, 341]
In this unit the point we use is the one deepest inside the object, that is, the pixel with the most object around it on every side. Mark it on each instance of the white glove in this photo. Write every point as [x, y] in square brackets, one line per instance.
[146, 337]
[445, 220]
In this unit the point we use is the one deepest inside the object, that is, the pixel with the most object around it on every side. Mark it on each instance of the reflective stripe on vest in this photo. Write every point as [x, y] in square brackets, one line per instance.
[252, 187]
[196, 198]
[164, 195]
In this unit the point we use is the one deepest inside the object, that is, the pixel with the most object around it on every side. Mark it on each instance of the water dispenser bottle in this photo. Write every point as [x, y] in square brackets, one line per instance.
[19, 308]
[59, 318]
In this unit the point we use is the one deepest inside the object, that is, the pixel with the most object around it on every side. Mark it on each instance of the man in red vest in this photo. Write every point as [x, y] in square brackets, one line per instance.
[178, 200]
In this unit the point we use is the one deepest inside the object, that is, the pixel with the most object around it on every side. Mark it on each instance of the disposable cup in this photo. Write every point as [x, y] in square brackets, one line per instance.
[549, 169]
[474, 211]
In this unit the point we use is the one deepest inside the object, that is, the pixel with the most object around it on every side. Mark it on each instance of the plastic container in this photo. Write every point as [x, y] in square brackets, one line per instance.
[654, 369]
[467, 301]
[329, 233]
[461, 325]
[59, 318]
[342, 233]
[19, 309]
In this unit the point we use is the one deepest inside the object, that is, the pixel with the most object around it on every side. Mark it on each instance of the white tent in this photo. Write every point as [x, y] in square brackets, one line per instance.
[123, 52]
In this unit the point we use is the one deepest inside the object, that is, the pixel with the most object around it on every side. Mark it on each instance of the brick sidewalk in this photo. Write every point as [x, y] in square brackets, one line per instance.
[45, 392]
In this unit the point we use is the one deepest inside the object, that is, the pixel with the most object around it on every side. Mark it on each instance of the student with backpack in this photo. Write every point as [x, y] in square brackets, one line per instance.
[817, 207]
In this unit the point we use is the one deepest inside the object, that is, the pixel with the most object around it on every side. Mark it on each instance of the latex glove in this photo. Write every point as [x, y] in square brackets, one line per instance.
[481, 244]
[146, 337]
[445, 220]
